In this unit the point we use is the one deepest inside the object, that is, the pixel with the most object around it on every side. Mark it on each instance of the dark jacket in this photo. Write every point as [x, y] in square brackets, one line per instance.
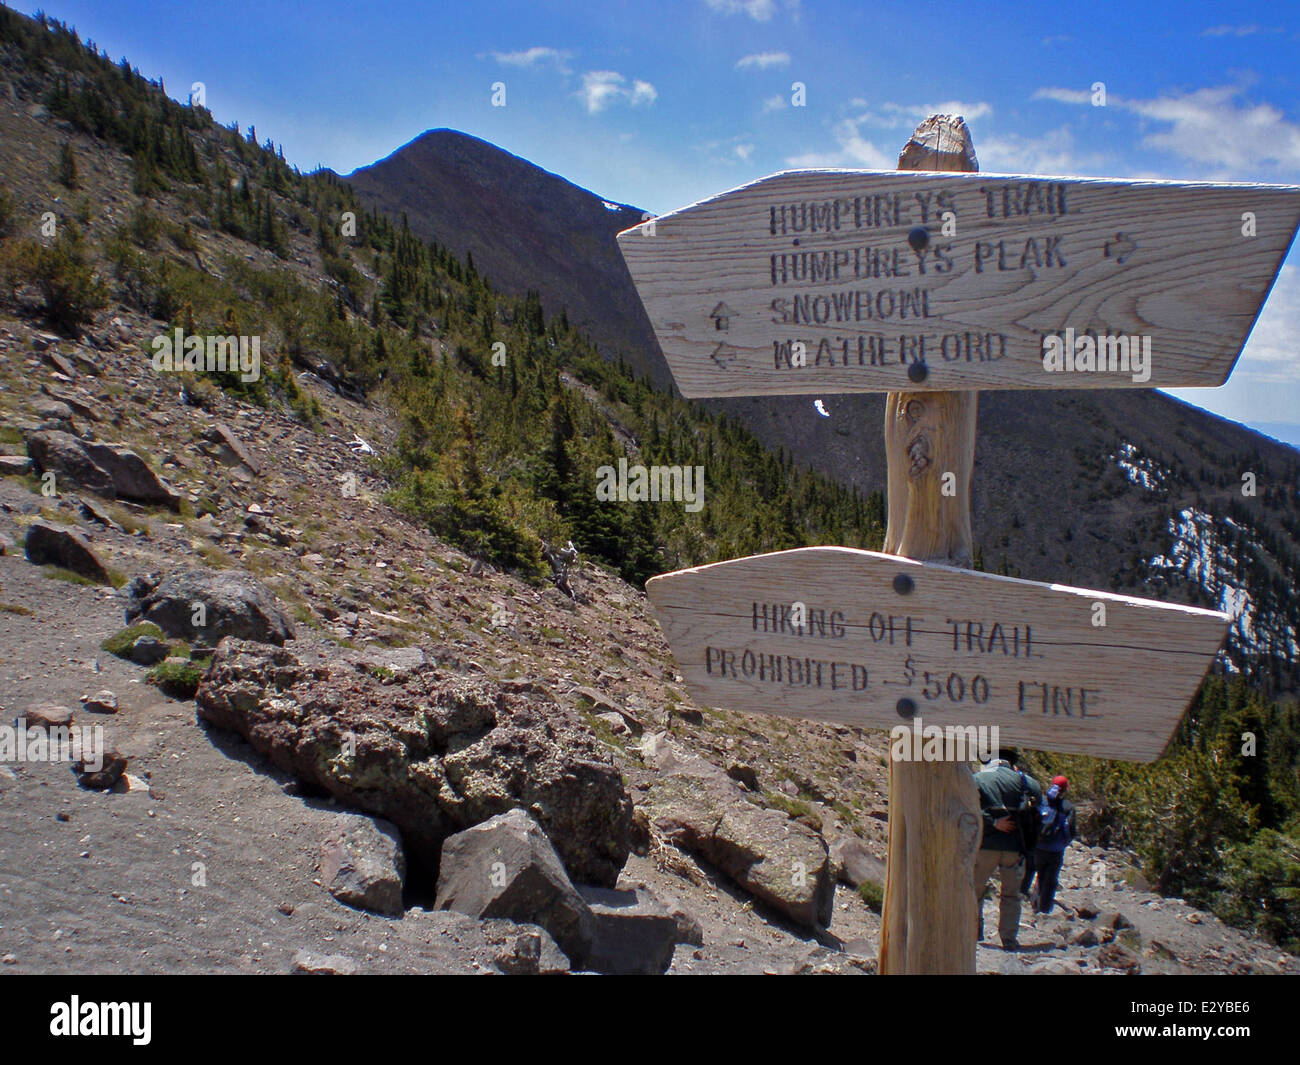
[1065, 810]
[1001, 787]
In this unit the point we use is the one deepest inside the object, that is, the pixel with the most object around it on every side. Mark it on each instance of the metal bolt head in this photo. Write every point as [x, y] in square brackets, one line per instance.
[906, 707]
[903, 584]
[918, 372]
[918, 238]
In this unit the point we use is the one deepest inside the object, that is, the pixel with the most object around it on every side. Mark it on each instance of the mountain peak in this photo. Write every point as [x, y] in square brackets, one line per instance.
[526, 227]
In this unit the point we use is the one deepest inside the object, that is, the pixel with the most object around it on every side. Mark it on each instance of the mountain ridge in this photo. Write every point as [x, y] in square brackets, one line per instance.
[1045, 501]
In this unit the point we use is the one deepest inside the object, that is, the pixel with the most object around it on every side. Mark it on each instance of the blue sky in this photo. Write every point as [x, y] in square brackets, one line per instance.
[662, 104]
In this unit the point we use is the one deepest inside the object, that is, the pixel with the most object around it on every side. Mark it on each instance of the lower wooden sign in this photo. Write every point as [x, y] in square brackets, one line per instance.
[875, 640]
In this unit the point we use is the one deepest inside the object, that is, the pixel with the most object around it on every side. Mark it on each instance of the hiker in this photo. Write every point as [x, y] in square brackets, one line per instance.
[1009, 801]
[1055, 834]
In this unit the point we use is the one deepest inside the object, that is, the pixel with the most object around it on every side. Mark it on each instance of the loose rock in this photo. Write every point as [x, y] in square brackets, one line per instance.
[102, 778]
[148, 650]
[48, 544]
[783, 863]
[854, 864]
[506, 867]
[635, 936]
[363, 864]
[47, 715]
[234, 604]
[102, 702]
[323, 964]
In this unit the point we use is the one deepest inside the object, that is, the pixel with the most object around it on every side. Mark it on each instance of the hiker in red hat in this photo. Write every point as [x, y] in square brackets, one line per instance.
[1055, 834]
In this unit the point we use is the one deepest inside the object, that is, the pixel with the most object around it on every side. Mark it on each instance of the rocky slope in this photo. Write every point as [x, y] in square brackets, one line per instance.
[211, 856]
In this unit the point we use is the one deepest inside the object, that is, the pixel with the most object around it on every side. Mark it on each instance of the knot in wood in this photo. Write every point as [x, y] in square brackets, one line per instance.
[918, 455]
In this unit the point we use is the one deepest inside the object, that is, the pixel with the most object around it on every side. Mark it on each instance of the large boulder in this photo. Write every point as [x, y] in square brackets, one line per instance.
[634, 935]
[57, 545]
[779, 861]
[234, 604]
[506, 867]
[109, 470]
[131, 475]
[363, 864]
[64, 455]
[433, 754]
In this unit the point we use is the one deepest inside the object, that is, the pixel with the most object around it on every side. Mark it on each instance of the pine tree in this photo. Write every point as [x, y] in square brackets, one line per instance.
[67, 168]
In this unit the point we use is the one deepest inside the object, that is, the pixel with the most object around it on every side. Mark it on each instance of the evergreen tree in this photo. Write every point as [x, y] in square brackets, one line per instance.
[66, 171]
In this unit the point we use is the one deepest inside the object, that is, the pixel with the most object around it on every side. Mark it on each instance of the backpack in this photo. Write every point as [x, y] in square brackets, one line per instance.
[1028, 818]
[1055, 823]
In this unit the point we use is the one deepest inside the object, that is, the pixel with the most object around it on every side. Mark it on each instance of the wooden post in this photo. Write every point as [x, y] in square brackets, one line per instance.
[928, 922]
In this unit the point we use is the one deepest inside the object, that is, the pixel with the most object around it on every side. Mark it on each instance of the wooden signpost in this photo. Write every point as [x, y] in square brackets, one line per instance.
[874, 273]
[930, 286]
[868, 639]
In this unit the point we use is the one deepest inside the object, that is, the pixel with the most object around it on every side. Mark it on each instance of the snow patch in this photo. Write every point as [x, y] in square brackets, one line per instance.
[1140, 469]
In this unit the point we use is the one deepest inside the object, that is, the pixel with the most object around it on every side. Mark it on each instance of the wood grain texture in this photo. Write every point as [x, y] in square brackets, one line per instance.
[1030, 256]
[928, 917]
[1116, 691]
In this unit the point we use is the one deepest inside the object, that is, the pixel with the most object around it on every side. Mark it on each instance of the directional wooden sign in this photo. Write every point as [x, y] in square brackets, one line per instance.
[868, 639]
[815, 282]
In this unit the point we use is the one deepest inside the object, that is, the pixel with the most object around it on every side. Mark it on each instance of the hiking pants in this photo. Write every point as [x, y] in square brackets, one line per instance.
[1048, 864]
[1009, 867]
[1028, 879]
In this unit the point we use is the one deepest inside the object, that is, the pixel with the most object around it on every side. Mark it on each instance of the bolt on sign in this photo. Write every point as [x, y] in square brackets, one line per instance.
[873, 640]
[816, 282]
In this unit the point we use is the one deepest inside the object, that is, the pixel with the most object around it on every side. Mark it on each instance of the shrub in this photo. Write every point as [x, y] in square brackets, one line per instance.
[180, 680]
[66, 171]
[6, 213]
[144, 227]
[872, 894]
[70, 290]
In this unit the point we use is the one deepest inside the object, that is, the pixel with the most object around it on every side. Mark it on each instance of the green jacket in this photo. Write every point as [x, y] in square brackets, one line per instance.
[1000, 788]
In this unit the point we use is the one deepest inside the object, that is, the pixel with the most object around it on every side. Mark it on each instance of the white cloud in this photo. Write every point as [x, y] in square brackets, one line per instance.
[774, 103]
[1240, 31]
[758, 10]
[601, 88]
[764, 60]
[895, 116]
[1210, 127]
[534, 57]
[1051, 153]
[727, 152]
[853, 150]
[1064, 96]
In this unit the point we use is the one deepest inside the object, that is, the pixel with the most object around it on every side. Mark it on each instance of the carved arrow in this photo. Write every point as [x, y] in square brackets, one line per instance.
[1120, 248]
